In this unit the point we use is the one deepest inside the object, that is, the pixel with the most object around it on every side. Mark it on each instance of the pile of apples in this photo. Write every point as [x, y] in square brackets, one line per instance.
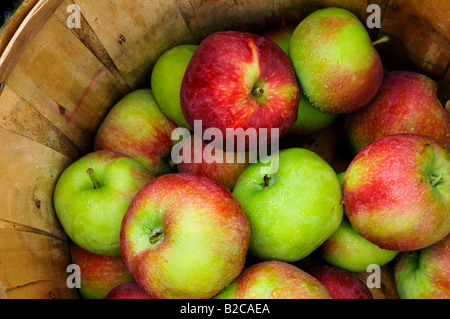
[156, 211]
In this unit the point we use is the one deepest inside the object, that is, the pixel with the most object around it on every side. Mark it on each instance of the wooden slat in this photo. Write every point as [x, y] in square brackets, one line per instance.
[420, 36]
[66, 83]
[255, 16]
[19, 117]
[33, 266]
[26, 32]
[29, 173]
[136, 33]
[14, 21]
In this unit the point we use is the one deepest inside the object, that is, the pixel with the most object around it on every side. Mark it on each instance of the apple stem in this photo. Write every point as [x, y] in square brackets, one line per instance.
[266, 180]
[383, 39]
[257, 91]
[154, 238]
[436, 179]
[90, 171]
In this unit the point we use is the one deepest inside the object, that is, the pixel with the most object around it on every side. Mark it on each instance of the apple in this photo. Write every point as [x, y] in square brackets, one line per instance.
[215, 164]
[407, 102]
[92, 195]
[184, 236]
[274, 280]
[348, 250]
[135, 126]
[340, 283]
[281, 35]
[292, 211]
[128, 290]
[99, 274]
[240, 81]
[335, 61]
[424, 273]
[166, 78]
[397, 192]
[309, 118]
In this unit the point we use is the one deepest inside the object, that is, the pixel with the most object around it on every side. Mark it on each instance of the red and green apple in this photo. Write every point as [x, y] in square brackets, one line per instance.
[239, 80]
[99, 274]
[184, 236]
[406, 102]
[340, 283]
[274, 280]
[128, 290]
[424, 273]
[335, 61]
[135, 126]
[397, 192]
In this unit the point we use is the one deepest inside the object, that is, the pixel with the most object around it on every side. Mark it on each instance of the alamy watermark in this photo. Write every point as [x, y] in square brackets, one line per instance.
[372, 21]
[237, 146]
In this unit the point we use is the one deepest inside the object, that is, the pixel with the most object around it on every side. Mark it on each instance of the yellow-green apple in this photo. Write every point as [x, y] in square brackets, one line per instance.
[340, 283]
[292, 211]
[166, 78]
[99, 274]
[240, 81]
[215, 163]
[128, 290]
[424, 273]
[406, 102]
[135, 126]
[335, 61]
[274, 280]
[92, 195]
[348, 250]
[397, 192]
[184, 236]
[309, 118]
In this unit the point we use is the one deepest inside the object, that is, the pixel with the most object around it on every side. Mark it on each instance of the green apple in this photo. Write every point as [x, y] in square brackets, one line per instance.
[294, 210]
[309, 119]
[92, 195]
[425, 273]
[348, 250]
[335, 61]
[166, 78]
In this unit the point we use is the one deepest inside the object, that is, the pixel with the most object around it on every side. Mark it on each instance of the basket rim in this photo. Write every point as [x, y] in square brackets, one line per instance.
[20, 31]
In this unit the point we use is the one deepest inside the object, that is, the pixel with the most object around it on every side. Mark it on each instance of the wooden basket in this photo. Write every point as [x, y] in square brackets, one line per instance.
[58, 83]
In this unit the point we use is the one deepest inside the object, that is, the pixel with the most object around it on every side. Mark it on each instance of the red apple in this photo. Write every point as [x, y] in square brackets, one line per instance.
[425, 273]
[240, 80]
[340, 283]
[274, 280]
[135, 126]
[128, 290]
[99, 274]
[397, 192]
[184, 236]
[216, 164]
[406, 102]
